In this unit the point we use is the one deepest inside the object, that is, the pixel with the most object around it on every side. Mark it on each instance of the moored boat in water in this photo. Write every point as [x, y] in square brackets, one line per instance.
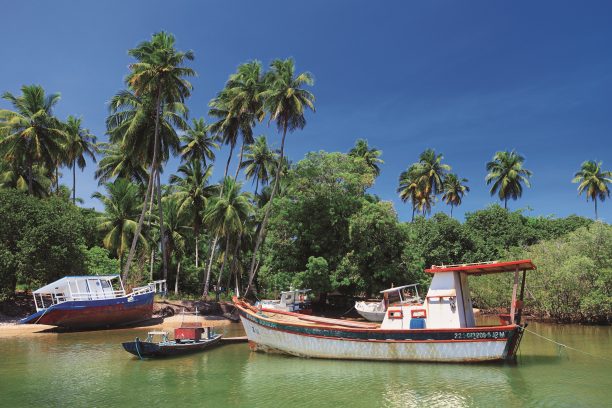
[440, 329]
[189, 338]
[92, 302]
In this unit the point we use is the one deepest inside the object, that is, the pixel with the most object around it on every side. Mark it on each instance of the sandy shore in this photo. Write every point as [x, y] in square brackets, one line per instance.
[12, 329]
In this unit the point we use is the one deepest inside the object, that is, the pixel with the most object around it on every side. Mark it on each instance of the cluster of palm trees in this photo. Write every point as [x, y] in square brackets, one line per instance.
[148, 123]
[429, 177]
[35, 144]
[424, 180]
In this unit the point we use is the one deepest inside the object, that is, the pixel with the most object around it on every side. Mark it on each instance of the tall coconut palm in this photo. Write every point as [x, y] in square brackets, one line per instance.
[260, 162]
[409, 187]
[122, 204]
[119, 163]
[30, 135]
[237, 108]
[80, 143]
[286, 100]
[198, 144]
[192, 193]
[176, 229]
[454, 188]
[593, 181]
[371, 156]
[160, 77]
[226, 215]
[507, 174]
[431, 171]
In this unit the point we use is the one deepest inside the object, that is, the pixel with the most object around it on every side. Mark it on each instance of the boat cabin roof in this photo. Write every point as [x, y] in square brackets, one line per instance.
[395, 289]
[485, 267]
[296, 290]
[53, 286]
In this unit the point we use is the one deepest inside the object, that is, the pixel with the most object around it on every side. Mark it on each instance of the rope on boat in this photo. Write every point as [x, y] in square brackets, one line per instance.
[352, 307]
[567, 347]
[40, 317]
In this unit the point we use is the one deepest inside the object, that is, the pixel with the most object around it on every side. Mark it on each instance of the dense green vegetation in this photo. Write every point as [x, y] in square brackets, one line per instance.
[311, 223]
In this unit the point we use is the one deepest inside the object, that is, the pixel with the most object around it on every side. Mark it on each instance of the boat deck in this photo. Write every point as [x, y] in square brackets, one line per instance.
[296, 318]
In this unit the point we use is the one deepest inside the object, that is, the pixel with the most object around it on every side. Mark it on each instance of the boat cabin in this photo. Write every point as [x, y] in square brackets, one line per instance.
[448, 303]
[78, 288]
[294, 300]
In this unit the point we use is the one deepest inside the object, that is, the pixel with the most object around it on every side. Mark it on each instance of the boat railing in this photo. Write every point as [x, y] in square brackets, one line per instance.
[143, 289]
[60, 298]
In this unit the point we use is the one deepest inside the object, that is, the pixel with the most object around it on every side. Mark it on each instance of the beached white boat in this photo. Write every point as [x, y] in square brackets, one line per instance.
[441, 329]
[375, 311]
[294, 300]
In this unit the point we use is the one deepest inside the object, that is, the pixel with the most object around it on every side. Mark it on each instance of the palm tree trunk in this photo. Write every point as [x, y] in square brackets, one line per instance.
[178, 270]
[595, 201]
[74, 182]
[209, 267]
[451, 211]
[149, 188]
[216, 239]
[161, 225]
[256, 185]
[57, 180]
[413, 210]
[152, 262]
[239, 161]
[30, 188]
[227, 242]
[505, 203]
[264, 223]
[197, 257]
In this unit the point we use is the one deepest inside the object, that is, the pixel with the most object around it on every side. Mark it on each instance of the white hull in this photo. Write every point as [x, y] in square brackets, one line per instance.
[270, 340]
[372, 316]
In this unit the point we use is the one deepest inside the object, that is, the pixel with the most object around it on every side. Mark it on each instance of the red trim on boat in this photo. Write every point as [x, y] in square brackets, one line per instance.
[496, 267]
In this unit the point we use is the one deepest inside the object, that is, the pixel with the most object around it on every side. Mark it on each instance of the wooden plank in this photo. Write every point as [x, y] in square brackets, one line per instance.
[230, 340]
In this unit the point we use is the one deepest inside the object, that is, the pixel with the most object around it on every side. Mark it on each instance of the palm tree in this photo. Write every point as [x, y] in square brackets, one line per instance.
[286, 100]
[118, 222]
[260, 162]
[197, 143]
[226, 216]
[30, 135]
[593, 181]
[507, 174]
[16, 176]
[369, 155]
[409, 188]
[431, 171]
[176, 230]
[80, 143]
[237, 107]
[454, 190]
[192, 194]
[118, 163]
[159, 77]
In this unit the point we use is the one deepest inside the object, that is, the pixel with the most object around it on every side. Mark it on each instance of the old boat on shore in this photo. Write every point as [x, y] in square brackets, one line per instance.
[375, 311]
[92, 302]
[441, 329]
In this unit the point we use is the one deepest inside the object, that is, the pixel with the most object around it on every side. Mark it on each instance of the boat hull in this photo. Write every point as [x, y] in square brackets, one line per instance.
[444, 345]
[145, 349]
[95, 314]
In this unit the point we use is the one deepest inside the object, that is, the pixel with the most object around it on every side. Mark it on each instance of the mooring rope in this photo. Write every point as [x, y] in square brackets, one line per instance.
[137, 350]
[568, 347]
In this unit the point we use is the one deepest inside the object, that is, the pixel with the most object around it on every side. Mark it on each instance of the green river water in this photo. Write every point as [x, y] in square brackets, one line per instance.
[90, 369]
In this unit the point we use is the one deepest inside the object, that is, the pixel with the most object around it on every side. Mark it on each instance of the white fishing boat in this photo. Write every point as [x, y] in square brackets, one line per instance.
[294, 300]
[441, 329]
[375, 311]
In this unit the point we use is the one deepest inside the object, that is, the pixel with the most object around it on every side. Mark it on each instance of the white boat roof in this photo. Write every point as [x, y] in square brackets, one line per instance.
[395, 289]
[51, 287]
[296, 290]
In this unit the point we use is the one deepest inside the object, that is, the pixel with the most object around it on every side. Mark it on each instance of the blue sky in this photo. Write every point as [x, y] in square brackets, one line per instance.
[465, 78]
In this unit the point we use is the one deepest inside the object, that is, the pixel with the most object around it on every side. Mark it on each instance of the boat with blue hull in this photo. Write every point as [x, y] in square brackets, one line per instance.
[92, 302]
